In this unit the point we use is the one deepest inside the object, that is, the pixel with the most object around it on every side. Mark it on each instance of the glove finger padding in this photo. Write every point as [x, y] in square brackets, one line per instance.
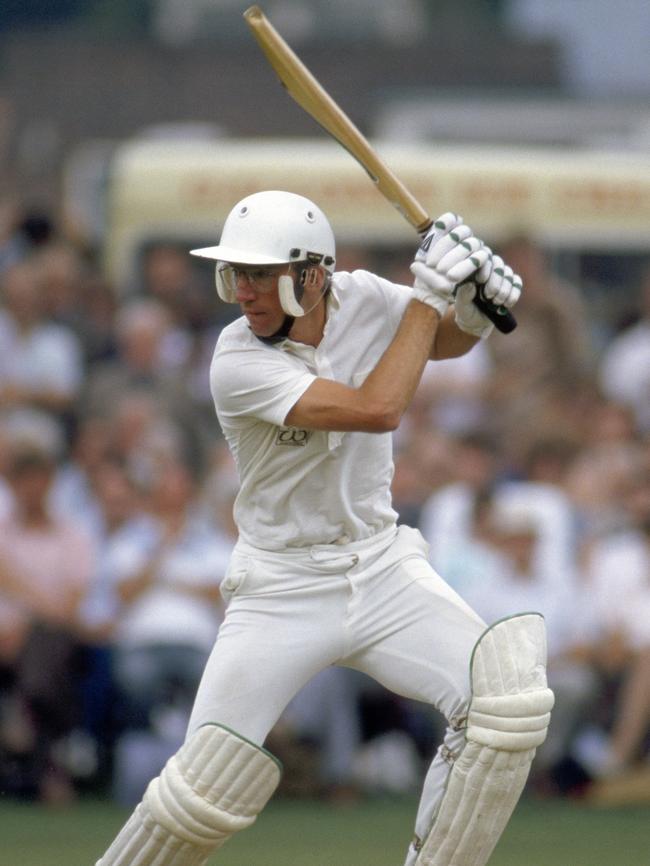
[502, 287]
[468, 316]
[429, 278]
[463, 261]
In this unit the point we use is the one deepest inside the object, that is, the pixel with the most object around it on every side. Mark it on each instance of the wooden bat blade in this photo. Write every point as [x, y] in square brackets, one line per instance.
[314, 99]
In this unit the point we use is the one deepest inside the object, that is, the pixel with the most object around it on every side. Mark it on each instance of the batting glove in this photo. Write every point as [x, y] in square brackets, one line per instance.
[446, 257]
[497, 283]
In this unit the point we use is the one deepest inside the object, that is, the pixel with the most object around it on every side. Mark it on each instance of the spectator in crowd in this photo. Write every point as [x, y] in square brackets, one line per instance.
[448, 513]
[62, 273]
[624, 370]
[97, 326]
[619, 583]
[548, 359]
[524, 576]
[149, 362]
[74, 492]
[46, 565]
[40, 361]
[21, 231]
[609, 452]
[170, 276]
[166, 566]
[117, 503]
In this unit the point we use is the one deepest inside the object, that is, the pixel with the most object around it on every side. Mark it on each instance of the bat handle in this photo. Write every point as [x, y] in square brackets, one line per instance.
[501, 317]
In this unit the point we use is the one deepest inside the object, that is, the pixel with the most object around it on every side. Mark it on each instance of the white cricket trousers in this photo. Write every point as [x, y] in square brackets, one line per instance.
[375, 605]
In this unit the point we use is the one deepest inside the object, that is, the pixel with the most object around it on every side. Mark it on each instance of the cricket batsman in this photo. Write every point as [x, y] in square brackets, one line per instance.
[308, 385]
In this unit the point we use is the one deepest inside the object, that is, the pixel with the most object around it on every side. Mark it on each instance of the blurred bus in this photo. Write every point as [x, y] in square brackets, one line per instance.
[589, 209]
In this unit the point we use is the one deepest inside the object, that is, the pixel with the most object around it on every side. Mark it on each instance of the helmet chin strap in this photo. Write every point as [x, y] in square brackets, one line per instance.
[281, 333]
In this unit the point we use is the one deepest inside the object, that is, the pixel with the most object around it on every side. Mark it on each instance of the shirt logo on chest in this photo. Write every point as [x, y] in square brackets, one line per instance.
[293, 436]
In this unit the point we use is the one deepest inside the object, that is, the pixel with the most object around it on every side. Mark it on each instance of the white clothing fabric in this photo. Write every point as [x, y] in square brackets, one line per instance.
[625, 371]
[72, 496]
[446, 521]
[47, 358]
[503, 592]
[374, 605]
[165, 613]
[51, 561]
[619, 579]
[304, 487]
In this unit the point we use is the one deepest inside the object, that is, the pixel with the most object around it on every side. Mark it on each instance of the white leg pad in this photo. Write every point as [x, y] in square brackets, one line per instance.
[508, 718]
[216, 784]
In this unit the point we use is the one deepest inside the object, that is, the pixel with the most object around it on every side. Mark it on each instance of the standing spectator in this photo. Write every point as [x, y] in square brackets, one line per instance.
[625, 364]
[546, 360]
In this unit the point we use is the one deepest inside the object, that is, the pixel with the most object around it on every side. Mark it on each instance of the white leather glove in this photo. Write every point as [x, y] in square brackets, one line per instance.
[447, 256]
[498, 284]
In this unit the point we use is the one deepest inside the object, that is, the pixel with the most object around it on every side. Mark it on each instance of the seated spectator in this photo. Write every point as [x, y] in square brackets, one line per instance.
[150, 362]
[73, 492]
[40, 361]
[618, 572]
[447, 515]
[501, 569]
[61, 270]
[166, 566]
[45, 568]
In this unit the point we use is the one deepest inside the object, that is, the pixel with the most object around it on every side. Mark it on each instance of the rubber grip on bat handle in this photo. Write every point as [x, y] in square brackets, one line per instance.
[501, 318]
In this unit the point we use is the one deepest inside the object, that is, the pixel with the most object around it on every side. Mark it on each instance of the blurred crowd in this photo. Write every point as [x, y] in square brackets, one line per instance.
[525, 464]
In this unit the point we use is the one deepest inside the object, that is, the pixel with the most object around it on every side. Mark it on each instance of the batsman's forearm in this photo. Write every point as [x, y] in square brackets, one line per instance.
[397, 375]
[378, 404]
[449, 341]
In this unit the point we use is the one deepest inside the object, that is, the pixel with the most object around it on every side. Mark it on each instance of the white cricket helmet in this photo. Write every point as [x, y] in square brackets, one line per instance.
[273, 228]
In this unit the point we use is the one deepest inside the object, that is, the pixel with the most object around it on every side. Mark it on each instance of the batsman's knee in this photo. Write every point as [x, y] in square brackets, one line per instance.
[215, 785]
[508, 718]
[511, 704]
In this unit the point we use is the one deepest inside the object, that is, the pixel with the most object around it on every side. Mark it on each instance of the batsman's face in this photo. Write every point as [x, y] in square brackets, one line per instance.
[256, 290]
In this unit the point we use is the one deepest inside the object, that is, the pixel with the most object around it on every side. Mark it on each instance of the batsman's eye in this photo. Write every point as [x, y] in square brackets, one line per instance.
[258, 278]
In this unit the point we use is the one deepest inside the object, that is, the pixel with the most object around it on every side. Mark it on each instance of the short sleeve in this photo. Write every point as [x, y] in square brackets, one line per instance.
[257, 384]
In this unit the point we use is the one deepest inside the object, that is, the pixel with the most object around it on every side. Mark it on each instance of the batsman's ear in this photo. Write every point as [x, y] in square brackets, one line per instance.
[310, 277]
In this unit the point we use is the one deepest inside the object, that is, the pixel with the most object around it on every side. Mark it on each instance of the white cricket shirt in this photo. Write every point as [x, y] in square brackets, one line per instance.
[305, 487]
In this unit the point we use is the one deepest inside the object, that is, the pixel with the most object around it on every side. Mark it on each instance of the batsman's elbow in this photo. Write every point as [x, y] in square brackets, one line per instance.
[383, 419]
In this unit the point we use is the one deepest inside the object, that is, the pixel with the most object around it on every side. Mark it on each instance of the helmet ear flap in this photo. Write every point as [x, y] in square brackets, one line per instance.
[287, 294]
[224, 291]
